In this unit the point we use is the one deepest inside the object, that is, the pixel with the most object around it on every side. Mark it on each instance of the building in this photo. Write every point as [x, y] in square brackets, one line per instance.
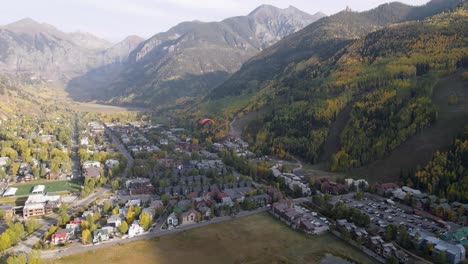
[189, 217]
[139, 186]
[454, 253]
[111, 163]
[114, 220]
[135, 229]
[8, 209]
[40, 204]
[38, 189]
[89, 164]
[100, 235]
[11, 191]
[458, 236]
[172, 220]
[61, 236]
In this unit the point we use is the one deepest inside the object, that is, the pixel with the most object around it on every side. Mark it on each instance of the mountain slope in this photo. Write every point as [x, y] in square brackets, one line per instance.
[193, 57]
[383, 81]
[321, 40]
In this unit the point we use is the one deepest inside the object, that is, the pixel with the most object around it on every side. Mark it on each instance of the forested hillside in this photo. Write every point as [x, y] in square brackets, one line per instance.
[319, 41]
[446, 175]
[387, 76]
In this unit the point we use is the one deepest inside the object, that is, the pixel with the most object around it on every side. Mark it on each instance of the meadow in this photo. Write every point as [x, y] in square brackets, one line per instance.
[254, 239]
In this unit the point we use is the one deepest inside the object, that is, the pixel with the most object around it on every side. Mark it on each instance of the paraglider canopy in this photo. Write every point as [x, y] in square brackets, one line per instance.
[206, 120]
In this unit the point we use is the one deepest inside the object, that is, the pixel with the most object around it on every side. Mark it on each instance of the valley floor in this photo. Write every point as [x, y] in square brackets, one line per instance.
[255, 239]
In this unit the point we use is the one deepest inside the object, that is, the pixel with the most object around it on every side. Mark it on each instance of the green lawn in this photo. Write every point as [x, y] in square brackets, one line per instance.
[254, 239]
[51, 186]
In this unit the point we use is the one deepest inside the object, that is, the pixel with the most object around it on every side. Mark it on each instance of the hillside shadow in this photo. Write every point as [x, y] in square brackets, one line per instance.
[111, 84]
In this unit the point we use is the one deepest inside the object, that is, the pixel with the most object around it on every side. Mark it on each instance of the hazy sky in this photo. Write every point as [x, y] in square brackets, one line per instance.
[115, 19]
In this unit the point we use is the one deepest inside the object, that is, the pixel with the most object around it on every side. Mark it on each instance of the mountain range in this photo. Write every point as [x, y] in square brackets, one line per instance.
[42, 51]
[192, 58]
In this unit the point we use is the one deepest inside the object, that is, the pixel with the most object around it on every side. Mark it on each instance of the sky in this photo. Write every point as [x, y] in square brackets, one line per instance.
[116, 19]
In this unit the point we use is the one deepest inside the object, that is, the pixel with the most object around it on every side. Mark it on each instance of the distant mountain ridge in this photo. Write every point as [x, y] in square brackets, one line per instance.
[193, 57]
[42, 51]
[321, 40]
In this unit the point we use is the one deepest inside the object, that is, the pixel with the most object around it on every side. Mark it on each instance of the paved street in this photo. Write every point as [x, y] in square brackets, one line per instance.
[80, 248]
[122, 150]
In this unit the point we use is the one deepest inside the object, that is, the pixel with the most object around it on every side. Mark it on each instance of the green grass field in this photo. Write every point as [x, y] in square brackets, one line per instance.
[51, 186]
[100, 108]
[255, 239]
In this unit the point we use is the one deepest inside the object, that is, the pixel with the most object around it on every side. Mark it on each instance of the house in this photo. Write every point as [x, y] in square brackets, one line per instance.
[134, 203]
[388, 250]
[74, 227]
[375, 244]
[111, 163]
[385, 188]
[135, 229]
[172, 220]
[61, 236]
[100, 235]
[92, 172]
[262, 200]
[189, 217]
[8, 209]
[114, 220]
[89, 164]
[109, 230]
[51, 176]
[84, 141]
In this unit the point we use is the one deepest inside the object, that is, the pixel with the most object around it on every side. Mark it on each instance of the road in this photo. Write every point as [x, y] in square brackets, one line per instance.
[122, 150]
[80, 248]
[75, 158]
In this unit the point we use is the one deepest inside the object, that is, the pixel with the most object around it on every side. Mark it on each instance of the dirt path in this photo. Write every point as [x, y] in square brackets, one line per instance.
[418, 150]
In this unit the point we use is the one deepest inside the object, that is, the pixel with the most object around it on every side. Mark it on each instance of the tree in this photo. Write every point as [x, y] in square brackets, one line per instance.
[31, 225]
[391, 260]
[115, 184]
[18, 259]
[86, 236]
[165, 199]
[123, 228]
[35, 257]
[5, 241]
[130, 215]
[145, 220]
[391, 233]
[106, 207]
[115, 210]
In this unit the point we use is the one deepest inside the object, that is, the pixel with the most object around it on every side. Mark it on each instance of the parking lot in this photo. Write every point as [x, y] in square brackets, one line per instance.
[383, 214]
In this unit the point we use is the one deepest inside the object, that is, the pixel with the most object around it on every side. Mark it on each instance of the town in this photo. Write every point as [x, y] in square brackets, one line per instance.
[104, 182]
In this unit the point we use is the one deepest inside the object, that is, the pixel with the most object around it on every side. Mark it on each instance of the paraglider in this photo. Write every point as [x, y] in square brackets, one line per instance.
[206, 120]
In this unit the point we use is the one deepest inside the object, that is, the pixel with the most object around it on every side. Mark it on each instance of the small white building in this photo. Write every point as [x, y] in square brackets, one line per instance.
[135, 229]
[89, 164]
[11, 191]
[4, 161]
[172, 220]
[38, 189]
[84, 141]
